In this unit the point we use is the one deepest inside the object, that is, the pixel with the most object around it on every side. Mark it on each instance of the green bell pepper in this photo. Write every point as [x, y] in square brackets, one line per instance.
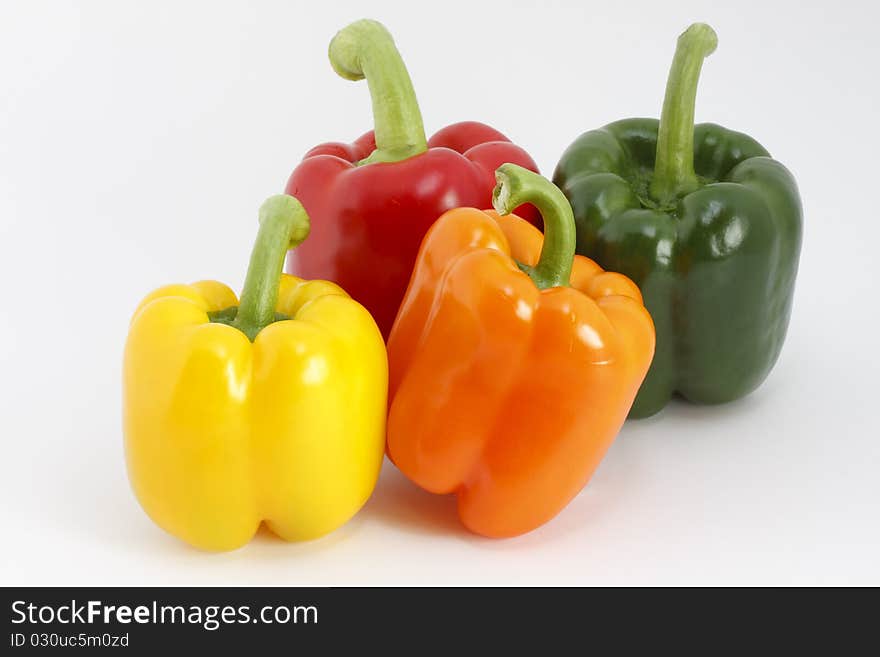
[708, 226]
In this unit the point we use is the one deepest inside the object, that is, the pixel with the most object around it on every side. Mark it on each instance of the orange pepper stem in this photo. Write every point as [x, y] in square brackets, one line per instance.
[516, 186]
[284, 224]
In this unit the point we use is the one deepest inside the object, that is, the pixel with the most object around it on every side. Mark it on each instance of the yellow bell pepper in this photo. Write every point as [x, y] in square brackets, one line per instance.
[272, 410]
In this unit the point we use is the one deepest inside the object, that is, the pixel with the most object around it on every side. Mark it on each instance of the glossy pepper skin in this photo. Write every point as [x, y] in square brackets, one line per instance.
[372, 201]
[706, 223]
[513, 363]
[269, 411]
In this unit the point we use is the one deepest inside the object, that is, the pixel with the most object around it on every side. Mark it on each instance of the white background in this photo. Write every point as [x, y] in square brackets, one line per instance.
[138, 139]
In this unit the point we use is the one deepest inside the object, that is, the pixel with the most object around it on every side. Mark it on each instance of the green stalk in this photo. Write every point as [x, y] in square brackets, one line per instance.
[284, 224]
[674, 173]
[365, 49]
[516, 186]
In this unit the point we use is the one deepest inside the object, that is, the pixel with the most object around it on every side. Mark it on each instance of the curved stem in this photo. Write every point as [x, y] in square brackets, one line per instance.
[515, 186]
[365, 49]
[674, 168]
[284, 224]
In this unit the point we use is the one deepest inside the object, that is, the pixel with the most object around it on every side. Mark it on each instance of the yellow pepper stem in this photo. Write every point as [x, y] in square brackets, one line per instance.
[284, 224]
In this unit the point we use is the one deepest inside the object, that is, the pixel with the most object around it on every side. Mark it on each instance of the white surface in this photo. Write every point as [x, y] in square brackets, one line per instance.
[138, 140]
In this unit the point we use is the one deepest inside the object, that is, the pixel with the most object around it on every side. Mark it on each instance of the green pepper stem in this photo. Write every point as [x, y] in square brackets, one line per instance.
[284, 224]
[515, 186]
[365, 49]
[674, 173]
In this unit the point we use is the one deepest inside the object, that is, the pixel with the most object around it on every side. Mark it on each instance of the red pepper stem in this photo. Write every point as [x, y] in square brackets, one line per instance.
[674, 173]
[516, 186]
[365, 49]
[284, 224]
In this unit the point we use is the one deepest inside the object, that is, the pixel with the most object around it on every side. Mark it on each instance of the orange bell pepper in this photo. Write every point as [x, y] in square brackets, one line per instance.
[513, 362]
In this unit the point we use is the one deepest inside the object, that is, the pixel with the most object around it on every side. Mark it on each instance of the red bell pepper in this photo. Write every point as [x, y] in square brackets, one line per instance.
[371, 202]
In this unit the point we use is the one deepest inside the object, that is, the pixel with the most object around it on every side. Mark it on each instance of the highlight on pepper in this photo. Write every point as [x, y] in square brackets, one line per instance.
[268, 410]
[513, 362]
